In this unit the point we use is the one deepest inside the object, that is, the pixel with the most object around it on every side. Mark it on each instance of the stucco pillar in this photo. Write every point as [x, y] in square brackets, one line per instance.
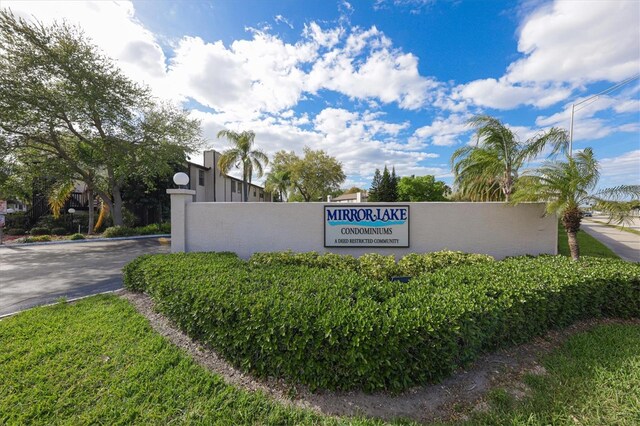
[179, 200]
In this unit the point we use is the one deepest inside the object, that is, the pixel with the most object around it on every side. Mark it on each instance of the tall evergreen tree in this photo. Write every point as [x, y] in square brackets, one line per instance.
[385, 186]
[394, 185]
[374, 190]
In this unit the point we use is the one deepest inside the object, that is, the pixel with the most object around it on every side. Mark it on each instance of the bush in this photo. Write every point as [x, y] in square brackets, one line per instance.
[118, 231]
[77, 236]
[372, 265]
[40, 231]
[38, 239]
[15, 231]
[415, 264]
[59, 231]
[18, 220]
[377, 266]
[337, 329]
[153, 229]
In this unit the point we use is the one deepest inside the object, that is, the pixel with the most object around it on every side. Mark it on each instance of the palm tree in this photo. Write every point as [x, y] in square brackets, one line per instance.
[242, 155]
[489, 170]
[278, 181]
[565, 185]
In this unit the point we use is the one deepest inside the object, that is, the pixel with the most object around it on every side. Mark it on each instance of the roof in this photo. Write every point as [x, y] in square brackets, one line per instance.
[352, 196]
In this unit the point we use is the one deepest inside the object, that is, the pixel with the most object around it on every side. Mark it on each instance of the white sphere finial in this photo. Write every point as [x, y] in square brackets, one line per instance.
[181, 179]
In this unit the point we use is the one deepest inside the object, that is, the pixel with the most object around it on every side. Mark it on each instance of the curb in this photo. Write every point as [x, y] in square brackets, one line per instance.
[75, 299]
[89, 240]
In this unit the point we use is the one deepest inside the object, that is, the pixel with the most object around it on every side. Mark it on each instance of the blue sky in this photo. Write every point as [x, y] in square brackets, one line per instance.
[381, 82]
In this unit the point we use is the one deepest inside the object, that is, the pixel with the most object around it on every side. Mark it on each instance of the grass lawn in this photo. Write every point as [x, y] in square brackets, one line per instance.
[589, 246]
[594, 379]
[622, 228]
[98, 361]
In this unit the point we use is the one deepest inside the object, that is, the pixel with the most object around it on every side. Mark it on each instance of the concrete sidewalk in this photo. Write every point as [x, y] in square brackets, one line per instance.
[623, 243]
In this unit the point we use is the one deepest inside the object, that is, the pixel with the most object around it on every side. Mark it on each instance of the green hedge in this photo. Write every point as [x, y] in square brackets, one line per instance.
[373, 265]
[40, 231]
[124, 231]
[15, 231]
[59, 231]
[337, 329]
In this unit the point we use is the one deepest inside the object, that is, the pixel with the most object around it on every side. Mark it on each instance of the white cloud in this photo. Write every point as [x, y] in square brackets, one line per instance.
[504, 94]
[113, 27]
[579, 42]
[621, 170]
[383, 73]
[250, 76]
[279, 19]
[565, 45]
[444, 131]
[587, 126]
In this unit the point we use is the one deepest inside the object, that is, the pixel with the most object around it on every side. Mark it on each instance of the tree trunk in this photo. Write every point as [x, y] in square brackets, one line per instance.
[91, 213]
[571, 222]
[116, 211]
[245, 188]
[508, 186]
[574, 249]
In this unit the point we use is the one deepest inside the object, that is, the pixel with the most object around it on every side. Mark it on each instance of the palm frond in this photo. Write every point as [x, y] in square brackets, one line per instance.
[58, 197]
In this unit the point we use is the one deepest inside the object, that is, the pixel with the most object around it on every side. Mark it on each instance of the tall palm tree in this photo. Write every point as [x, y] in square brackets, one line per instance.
[565, 185]
[242, 155]
[488, 170]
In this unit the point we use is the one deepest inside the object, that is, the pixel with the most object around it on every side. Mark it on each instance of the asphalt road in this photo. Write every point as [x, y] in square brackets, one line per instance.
[38, 275]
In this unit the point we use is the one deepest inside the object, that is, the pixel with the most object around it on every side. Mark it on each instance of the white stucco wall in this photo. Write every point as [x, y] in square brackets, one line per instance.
[493, 228]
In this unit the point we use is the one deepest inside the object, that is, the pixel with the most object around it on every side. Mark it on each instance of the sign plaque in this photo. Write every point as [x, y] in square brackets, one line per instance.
[366, 225]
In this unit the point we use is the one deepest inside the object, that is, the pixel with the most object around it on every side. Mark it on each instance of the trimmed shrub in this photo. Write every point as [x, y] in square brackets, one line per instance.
[38, 239]
[18, 220]
[58, 231]
[415, 264]
[15, 231]
[153, 229]
[377, 266]
[40, 231]
[77, 236]
[335, 328]
[342, 262]
[118, 231]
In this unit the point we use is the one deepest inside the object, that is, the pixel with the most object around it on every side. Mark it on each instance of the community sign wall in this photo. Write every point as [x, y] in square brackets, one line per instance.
[497, 229]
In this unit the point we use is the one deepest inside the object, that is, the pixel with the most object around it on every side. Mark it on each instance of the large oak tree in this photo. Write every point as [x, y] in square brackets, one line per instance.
[310, 178]
[61, 98]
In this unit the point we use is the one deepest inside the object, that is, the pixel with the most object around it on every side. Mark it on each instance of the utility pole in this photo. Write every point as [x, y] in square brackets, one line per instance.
[590, 100]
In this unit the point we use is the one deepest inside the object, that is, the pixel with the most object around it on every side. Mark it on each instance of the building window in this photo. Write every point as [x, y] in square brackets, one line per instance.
[201, 177]
[254, 192]
[261, 194]
[233, 186]
[239, 187]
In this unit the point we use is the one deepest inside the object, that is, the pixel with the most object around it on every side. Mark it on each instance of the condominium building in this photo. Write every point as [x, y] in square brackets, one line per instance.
[211, 185]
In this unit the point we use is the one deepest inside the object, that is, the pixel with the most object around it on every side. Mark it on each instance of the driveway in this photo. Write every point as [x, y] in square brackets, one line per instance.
[624, 244]
[37, 275]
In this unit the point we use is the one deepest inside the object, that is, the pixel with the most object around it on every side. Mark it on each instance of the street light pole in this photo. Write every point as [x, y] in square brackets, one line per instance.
[592, 99]
[573, 110]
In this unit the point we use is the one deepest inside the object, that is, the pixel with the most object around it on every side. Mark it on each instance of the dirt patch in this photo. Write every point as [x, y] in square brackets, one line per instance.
[453, 398]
